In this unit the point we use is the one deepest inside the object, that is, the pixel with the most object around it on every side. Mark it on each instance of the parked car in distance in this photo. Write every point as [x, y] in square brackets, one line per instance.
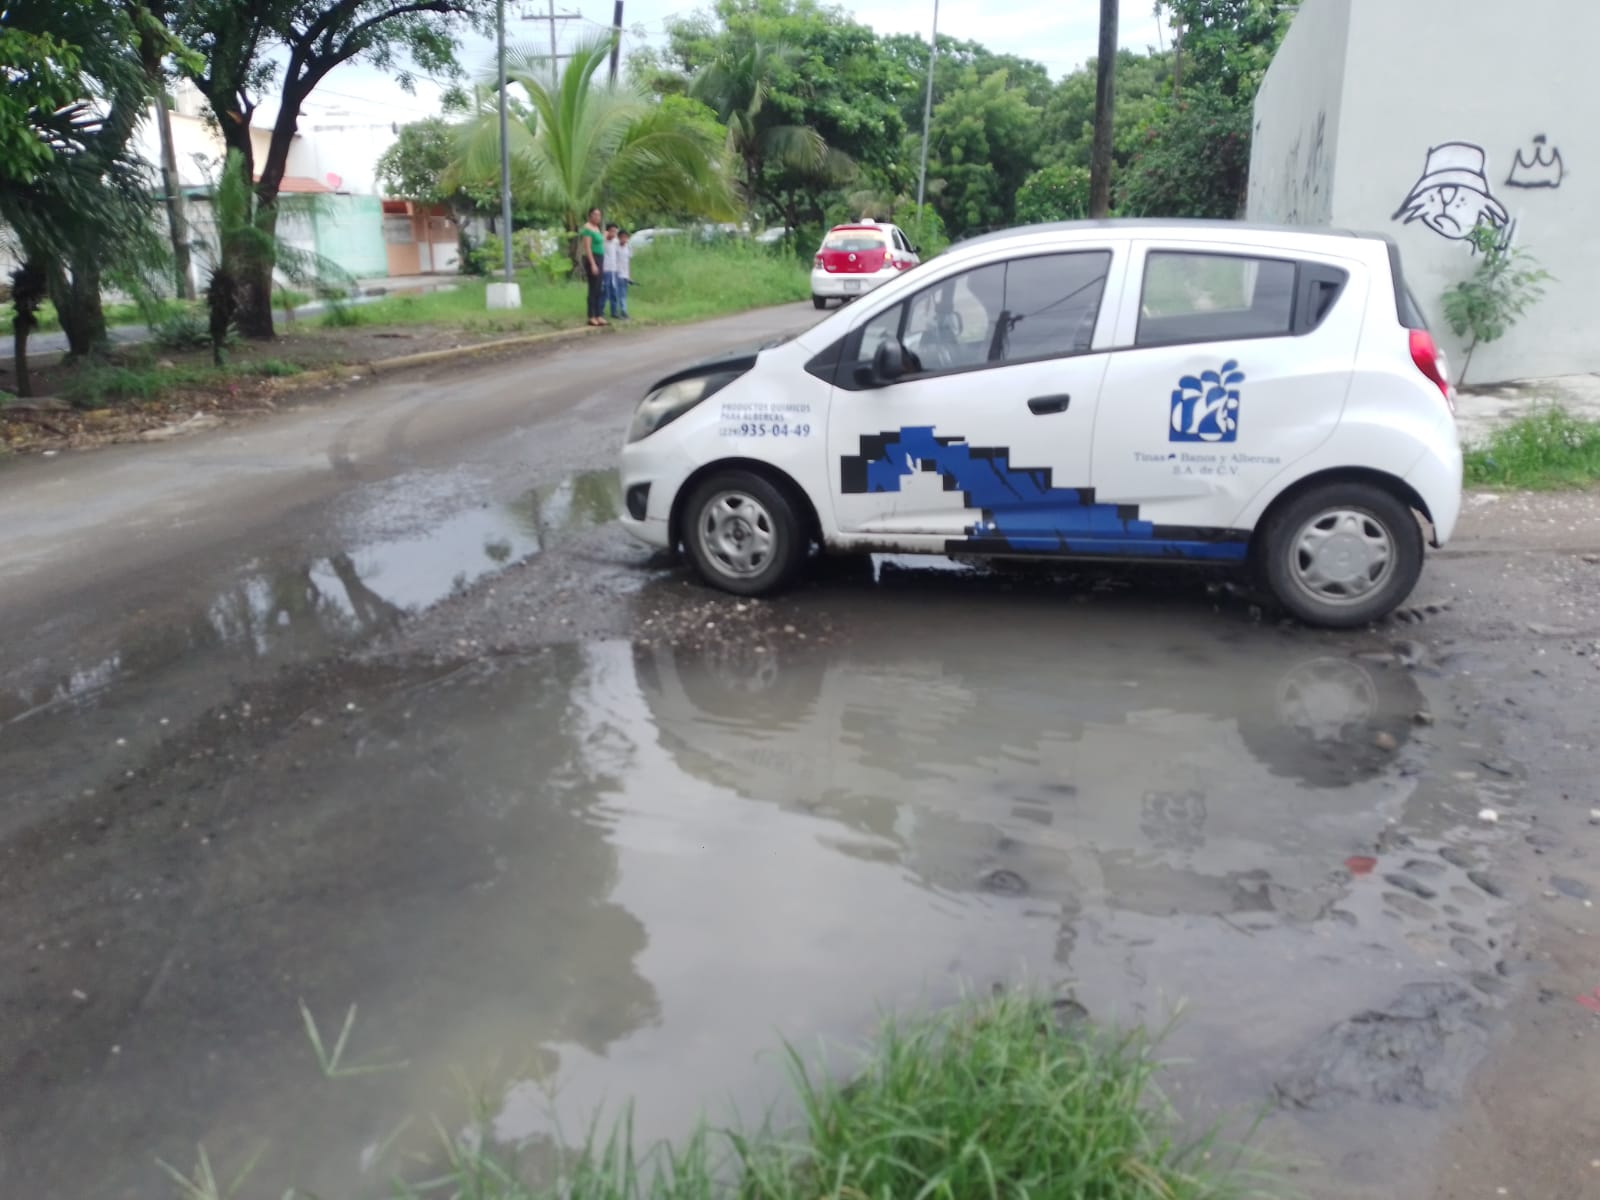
[854, 259]
[1206, 392]
[641, 238]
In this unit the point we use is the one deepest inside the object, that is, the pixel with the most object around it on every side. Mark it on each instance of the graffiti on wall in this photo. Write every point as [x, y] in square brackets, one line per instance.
[1452, 195]
[1308, 176]
[1540, 166]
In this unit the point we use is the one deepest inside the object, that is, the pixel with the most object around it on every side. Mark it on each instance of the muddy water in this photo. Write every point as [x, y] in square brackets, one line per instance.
[554, 881]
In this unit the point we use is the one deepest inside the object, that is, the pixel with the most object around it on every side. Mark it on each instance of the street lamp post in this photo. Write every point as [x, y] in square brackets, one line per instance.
[927, 111]
[505, 294]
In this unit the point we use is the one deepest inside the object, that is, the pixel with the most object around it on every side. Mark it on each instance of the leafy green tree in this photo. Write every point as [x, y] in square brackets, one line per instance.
[1195, 161]
[413, 168]
[736, 85]
[1227, 45]
[832, 77]
[249, 46]
[984, 140]
[81, 211]
[1195, 157]
[1143, 83]
[1505, 282]
[587, 144]
[43, 75]
[1057, 193]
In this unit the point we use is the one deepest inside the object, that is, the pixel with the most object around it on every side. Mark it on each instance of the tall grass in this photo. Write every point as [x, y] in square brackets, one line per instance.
[988, 1100]
[1549, 449]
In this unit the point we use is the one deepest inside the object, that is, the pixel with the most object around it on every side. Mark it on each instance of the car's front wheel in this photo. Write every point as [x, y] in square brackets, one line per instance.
[743, 533]
[1342, 555]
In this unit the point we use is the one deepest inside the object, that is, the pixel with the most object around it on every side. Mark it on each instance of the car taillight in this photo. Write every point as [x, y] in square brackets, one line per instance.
[903, 264]
[1430, 361]
[819, 260]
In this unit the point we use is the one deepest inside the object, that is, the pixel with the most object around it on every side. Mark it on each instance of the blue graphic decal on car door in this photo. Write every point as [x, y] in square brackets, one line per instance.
[1021, 511]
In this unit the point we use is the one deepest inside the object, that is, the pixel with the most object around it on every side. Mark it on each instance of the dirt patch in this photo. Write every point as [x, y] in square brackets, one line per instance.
[258, 374]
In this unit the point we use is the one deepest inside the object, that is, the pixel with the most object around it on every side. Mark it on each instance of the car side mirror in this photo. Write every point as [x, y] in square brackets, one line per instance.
[889, 363]
[917, 250]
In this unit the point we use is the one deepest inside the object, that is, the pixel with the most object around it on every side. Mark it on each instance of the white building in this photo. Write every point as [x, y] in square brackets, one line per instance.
[1422, 118]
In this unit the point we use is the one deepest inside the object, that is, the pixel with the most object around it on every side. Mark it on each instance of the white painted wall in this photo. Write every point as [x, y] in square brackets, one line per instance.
[1424, 73]
[199, 149]
[1294, 145]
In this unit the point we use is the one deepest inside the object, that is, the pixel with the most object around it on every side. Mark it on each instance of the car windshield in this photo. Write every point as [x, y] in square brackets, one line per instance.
[855, 240]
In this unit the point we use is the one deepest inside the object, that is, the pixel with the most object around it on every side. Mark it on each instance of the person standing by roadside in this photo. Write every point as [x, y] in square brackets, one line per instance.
[608, 290]
[593, 245]
[619, 259]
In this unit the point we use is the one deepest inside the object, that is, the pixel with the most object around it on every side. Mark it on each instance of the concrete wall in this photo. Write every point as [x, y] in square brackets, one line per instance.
[1439, 98]
[1296, 134]
[350, 232]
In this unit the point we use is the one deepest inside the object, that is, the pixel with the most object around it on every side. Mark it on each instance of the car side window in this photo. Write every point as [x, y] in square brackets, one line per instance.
[1044, 306]
[1205, 297]
[1051, 304]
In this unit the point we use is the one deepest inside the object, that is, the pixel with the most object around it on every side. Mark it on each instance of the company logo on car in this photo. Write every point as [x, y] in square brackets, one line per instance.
[1205, 407]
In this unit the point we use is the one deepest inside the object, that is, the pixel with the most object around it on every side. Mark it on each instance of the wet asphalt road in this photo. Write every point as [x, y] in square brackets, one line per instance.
[372, 705]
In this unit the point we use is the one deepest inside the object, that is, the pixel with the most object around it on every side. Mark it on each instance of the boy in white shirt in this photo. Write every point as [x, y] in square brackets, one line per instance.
[618, 260]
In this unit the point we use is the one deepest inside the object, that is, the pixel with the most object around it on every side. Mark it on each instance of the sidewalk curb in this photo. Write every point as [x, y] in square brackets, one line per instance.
[424, 358]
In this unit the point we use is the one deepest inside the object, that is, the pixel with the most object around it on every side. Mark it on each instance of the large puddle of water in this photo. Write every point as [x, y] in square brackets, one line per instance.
[605, 872]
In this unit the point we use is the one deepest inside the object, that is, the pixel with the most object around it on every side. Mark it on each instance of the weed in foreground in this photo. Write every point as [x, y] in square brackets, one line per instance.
[991, 1099]
[1549, 449]
[332, 1062]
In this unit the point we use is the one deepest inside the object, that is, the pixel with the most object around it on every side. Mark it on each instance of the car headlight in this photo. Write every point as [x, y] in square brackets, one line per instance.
[666, 404]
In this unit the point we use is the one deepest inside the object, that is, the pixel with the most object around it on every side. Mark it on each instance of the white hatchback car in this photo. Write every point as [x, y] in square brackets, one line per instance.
[1216, 393]
[854, 259]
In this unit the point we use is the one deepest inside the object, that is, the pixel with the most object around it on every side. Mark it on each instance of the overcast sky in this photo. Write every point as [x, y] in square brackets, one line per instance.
[1061, 34]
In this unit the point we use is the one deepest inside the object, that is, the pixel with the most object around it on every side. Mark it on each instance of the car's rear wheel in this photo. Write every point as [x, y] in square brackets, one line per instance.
[1342, 554]
[744, 533]
[818, 302]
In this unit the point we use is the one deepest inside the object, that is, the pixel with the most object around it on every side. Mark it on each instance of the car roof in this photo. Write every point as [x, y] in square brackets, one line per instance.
[875, 227]
[1176, 227]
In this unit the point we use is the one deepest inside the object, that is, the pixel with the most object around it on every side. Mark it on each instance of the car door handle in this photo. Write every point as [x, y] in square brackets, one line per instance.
[1041, 405]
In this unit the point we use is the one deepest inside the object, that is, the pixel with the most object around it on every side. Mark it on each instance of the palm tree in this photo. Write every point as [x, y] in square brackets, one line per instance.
[735, 85]
[585, 144]
[242, 240]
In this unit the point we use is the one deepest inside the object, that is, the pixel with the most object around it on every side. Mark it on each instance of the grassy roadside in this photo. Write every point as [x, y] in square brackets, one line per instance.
[993, 1098]
[674, 281]
[1546, 450]
[142, 388]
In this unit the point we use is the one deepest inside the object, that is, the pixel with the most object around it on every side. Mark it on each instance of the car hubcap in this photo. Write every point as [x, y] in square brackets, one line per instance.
[736, 532]
[1341, 556]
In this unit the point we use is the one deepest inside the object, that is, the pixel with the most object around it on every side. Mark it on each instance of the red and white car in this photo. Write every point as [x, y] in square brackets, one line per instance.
[854, 259]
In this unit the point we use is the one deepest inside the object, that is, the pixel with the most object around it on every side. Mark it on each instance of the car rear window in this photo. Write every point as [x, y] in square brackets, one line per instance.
[1195, 297]
[855, 240]
[1406, 306]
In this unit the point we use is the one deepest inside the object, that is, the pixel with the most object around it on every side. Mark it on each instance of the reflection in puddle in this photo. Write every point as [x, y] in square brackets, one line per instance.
[602, 871]
[268, 609]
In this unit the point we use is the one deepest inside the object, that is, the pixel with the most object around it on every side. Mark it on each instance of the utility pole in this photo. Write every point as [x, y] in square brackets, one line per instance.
[177, 223]
[505, 294]
[616, 41]
[1105, 96]
[555, 74]
[552, 17]
[927, 111]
